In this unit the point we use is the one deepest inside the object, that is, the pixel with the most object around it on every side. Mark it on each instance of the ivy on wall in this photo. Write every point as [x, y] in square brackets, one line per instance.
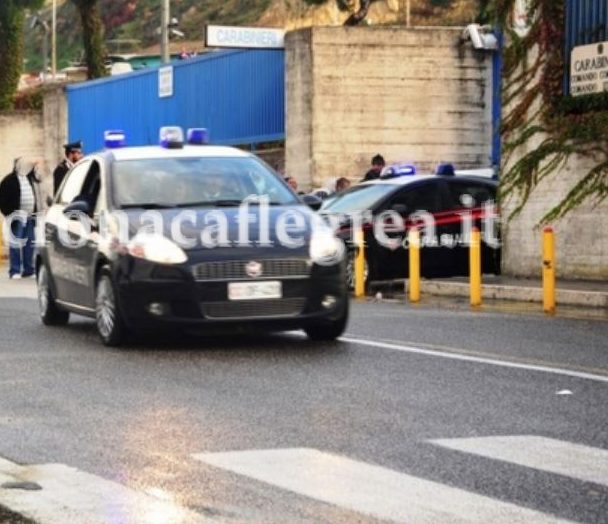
[536, 109]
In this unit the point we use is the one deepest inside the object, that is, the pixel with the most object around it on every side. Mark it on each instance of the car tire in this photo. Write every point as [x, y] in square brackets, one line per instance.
[50, 313]
[350, 272]
[328, 330]
[108, 318]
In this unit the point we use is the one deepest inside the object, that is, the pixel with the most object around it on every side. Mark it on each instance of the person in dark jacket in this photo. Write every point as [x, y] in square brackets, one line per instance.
[378, 164]
[20, 192]
[73, 153]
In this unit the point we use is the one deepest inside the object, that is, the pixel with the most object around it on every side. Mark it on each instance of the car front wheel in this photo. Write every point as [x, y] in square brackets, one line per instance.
[110, 325]
[50, 314]
[327, 330]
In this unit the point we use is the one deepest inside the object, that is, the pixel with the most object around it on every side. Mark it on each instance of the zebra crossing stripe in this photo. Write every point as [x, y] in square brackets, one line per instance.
[68, 495]
[545, 454]
[370, 489]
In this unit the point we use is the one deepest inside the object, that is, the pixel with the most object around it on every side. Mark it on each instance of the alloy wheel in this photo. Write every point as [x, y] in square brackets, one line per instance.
[106, 308]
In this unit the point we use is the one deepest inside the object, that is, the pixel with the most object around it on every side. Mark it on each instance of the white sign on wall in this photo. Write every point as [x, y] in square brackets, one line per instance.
[165, 82]
[589, 69]
[244, 37]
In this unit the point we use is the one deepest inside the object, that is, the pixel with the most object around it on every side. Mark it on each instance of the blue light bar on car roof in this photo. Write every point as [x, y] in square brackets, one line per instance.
[198, 136]
[171, 137]
[114, 138]
[445, 169]
[398, 170]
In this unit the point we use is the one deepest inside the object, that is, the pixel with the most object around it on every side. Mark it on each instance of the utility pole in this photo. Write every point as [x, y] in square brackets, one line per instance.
[405, 11]
[54, 41]
[164, 31]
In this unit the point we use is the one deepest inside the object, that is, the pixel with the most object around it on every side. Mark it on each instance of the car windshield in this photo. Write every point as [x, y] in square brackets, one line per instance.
[359, 198]
[182, 182]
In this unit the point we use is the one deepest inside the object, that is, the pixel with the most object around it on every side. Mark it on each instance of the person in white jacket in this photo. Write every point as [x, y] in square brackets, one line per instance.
[20, 192]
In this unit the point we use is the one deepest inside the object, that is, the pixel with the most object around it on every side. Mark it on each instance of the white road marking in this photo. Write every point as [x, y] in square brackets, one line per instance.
[70, 495]
[479, 360]
[369, 489]
[545, 454]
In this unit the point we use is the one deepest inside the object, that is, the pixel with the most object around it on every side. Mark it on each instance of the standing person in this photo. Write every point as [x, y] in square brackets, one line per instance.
[73, 153]
[20, 191]
[378, 164]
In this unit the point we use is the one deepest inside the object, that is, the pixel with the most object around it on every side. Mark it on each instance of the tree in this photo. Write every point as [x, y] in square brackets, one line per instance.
[12, 16]
[92, 36]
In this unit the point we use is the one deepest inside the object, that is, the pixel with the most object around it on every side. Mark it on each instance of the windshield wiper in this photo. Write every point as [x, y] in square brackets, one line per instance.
[226, 202]
[223, 203]
[196, 204]
[148, 205]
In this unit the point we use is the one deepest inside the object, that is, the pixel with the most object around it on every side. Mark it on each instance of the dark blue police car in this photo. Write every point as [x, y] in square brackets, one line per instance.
[187, 236]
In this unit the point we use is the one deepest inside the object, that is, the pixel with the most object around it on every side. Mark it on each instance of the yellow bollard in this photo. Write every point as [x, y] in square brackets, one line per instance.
[549, 270]
[475, 267]
[414, 254]
[359, 264]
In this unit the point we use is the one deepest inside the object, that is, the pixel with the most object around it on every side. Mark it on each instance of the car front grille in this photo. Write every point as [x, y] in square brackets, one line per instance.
[283, 307]
[235, 269]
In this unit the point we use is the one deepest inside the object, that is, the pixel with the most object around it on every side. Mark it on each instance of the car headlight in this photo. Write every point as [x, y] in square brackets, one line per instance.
[325, 248]
[156, 248]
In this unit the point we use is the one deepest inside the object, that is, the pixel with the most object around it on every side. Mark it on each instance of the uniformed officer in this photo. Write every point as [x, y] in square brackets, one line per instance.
[73, 153]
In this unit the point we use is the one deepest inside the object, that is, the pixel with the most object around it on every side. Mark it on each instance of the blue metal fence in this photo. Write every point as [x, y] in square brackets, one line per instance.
[237, 95]
[586, 23]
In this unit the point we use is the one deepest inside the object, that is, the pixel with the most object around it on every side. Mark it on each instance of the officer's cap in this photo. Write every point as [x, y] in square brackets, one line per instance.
[73, 146]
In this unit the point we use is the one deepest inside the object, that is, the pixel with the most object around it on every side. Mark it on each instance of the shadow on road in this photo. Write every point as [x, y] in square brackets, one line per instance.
[291, 342]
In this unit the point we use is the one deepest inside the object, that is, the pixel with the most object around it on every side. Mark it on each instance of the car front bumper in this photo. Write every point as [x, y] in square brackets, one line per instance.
[152, 296]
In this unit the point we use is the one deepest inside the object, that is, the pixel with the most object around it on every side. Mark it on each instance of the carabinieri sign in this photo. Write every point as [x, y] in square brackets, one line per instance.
[589, 69]
[244, 37]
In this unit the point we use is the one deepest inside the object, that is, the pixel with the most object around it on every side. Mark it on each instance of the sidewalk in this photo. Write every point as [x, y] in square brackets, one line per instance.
[569, 293]
[592, 294]
[23, 288]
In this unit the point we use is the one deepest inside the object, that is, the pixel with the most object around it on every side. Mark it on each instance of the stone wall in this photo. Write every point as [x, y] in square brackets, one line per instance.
[36, 134]
[419, 95]
[21, 134]
[581, 238]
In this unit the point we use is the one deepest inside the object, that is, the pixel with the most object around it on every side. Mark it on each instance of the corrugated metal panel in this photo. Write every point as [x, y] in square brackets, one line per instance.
[586, 23]
[238, 95]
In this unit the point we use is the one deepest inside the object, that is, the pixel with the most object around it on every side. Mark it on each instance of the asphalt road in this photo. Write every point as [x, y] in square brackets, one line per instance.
[371, 409]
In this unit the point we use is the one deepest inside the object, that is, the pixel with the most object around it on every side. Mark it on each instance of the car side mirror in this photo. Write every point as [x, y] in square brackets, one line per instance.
[312, 201]
[78, 206]
[399, 208]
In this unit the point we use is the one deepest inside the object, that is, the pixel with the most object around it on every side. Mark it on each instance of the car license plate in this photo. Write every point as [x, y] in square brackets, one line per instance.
[254, 290]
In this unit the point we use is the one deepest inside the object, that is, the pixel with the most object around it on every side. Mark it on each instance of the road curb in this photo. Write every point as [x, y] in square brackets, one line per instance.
[565, 297]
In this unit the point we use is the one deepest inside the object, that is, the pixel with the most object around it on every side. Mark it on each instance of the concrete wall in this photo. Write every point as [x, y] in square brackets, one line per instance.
[581, 237]
[55, 120]
[36, 134]
[416, 95]
[21, 134]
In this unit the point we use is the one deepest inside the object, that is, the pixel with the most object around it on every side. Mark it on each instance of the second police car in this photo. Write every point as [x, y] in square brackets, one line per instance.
[444, 206]
[187, 236]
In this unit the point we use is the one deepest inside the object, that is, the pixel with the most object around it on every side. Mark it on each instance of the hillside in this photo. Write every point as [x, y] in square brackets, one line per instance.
[138, 20]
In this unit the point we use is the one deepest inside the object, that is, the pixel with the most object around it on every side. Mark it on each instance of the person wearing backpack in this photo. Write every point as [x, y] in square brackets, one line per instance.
[20, 192]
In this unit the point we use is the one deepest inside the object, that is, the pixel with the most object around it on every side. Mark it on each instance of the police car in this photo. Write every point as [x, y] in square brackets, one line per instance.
[186, 235]
[450, 201]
